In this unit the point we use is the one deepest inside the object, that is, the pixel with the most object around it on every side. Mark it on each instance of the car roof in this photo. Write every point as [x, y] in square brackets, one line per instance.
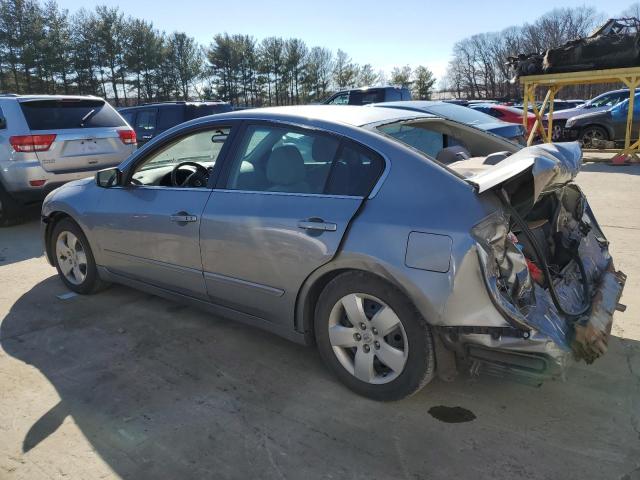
[417, 105]
[54, 97]
[172, 104]
[356, 116]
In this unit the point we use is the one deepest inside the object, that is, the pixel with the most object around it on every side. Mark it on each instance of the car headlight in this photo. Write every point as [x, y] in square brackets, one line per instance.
[504, 268]
[570, 123]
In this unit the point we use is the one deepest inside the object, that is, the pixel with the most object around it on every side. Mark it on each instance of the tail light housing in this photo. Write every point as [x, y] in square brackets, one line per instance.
[32, 143]
[128, 137]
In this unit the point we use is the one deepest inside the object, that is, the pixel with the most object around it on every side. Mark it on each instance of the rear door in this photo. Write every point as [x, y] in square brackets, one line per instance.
[279, 214]
[86, 133]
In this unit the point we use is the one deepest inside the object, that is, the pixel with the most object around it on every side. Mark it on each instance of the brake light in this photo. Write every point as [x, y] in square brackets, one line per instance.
[128, 137]
[32, 143]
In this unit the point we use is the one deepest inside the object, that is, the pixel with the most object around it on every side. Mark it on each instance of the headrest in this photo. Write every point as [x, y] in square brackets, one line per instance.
[285, 166]
[452, 154]
[323, 149]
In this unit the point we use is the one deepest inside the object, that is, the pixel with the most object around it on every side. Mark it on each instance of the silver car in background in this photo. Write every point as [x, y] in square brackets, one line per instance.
[401, 243]
[48, 140]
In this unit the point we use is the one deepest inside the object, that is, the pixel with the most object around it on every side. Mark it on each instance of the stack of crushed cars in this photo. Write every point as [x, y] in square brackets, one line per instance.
[615, 44]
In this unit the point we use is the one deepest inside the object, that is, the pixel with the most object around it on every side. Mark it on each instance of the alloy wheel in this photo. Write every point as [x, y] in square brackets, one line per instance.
[71, 257]
[591, 135]
[368, 338]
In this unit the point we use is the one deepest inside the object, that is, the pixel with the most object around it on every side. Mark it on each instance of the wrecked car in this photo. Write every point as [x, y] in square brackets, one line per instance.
[403, 245]
[615, 44]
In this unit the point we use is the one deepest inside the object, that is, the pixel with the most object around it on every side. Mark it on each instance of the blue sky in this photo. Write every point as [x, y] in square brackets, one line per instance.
[410, 32]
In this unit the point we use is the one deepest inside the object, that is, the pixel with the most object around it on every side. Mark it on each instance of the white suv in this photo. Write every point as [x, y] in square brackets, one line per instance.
[48, 140]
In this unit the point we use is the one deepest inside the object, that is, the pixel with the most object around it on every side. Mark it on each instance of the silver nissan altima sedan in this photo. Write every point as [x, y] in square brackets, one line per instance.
[402, 244]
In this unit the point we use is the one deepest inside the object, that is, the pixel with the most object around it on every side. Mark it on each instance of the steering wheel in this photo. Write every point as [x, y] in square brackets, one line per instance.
[197, 178]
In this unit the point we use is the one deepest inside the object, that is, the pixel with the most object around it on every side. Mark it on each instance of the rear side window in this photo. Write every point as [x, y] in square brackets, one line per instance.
[69, 113]
[355, 171]
[3, 120]
[370, 96]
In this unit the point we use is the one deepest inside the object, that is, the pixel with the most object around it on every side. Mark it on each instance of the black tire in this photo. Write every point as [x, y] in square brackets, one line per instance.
[10, 209]
[590, 132]
[419, 368]
[92, 282]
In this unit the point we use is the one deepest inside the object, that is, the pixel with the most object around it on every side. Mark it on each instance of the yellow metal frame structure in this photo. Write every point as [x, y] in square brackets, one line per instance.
[555, 81]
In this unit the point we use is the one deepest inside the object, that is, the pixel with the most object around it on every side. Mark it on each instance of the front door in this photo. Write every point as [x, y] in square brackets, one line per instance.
[279, 215]
[150, 228]
[619, 116]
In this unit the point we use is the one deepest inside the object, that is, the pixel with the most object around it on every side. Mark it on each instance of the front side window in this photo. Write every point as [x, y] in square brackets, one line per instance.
[342, 99]
[281, 159]
[187, 162]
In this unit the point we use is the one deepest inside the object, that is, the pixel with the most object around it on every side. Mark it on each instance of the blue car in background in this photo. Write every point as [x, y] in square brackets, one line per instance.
[458, 113]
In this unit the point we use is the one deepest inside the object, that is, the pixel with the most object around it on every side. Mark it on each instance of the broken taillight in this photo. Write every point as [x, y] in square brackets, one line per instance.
[32, 143]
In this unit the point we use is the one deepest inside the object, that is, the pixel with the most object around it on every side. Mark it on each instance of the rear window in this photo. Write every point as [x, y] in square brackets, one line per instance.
[68, 114]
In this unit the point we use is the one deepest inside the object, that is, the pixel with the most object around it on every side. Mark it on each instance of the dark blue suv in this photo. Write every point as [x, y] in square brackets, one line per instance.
[151, 119]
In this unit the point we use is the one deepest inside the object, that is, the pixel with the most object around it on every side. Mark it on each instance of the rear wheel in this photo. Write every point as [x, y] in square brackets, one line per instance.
[556, 132]
[74, 258]
[373, 338]
[592, 135]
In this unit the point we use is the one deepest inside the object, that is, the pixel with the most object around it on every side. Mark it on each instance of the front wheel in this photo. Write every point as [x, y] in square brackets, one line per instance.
[373, 338]
[591, 136]
[74, 258]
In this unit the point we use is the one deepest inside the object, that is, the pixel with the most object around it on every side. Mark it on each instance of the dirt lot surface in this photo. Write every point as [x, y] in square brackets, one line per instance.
[126, 385]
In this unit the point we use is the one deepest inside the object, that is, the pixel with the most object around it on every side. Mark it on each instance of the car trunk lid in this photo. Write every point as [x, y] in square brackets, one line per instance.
[544, 168]
[84, 149]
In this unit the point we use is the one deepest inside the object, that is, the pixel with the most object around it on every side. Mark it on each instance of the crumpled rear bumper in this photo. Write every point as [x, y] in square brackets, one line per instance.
[591, 333]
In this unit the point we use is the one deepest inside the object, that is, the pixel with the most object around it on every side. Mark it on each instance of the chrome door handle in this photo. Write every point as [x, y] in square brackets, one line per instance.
[182, 218]
[317, 225]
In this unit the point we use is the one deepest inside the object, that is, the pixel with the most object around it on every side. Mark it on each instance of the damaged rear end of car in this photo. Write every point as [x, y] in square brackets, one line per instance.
[545, 263]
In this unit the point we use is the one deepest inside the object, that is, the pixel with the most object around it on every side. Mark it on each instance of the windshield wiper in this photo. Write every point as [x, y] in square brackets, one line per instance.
[91, 113]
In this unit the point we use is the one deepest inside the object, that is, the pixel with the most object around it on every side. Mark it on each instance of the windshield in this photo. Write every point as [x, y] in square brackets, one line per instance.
[608, 100]
[460, 114]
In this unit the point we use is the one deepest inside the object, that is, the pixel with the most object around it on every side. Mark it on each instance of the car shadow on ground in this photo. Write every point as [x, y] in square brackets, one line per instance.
[164, 391]
[22, 241]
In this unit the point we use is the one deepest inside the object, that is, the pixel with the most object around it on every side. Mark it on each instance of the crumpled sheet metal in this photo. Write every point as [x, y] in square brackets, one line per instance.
[586, 337]
[592, 334]
[554, 165]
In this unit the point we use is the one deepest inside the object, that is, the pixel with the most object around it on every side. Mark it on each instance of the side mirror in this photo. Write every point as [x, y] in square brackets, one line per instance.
[109, 177]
